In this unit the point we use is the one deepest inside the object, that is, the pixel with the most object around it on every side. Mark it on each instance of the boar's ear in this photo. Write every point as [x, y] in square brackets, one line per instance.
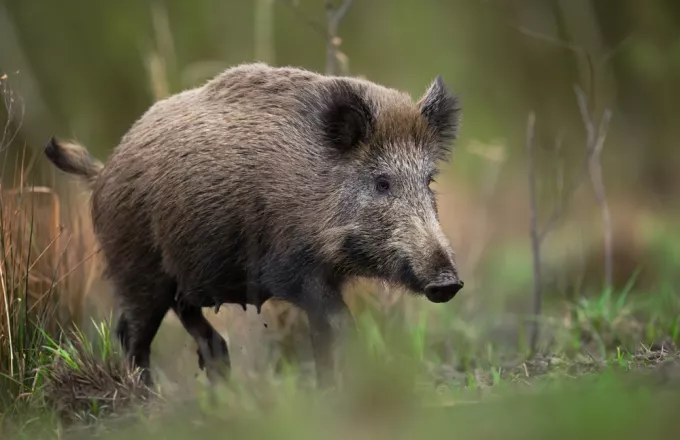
[347, 117]
[441, 110]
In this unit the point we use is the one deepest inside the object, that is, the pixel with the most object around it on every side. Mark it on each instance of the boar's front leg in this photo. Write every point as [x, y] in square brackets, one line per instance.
[213, 354]
[330, 321]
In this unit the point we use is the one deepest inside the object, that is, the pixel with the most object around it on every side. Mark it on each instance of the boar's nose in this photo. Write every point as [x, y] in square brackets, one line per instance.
[443, 291]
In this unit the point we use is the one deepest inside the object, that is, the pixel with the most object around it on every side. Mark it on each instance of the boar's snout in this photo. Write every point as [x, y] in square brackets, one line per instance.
[446, 283]
[444, 290]
[426, 263]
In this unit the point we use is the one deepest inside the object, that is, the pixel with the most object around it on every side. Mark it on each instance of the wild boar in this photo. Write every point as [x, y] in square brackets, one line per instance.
[269, 182]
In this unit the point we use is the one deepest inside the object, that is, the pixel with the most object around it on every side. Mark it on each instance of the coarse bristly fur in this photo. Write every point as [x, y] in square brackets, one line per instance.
[270, 182]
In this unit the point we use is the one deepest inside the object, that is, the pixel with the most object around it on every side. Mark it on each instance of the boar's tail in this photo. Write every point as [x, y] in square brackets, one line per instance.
[73, 158]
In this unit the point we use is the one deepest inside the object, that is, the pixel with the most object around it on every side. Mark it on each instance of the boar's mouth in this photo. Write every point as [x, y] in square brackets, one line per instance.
[439, 287]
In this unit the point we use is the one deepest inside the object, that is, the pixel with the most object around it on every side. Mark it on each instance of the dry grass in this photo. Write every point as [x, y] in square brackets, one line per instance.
[88, 379]
[48, 266]
[47, 269]
[47, 260]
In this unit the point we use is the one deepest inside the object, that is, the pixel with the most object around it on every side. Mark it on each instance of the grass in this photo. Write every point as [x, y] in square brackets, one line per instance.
[398, 378]
[608, 405]
[40, 260]
[46, 266]
[23, 312]
[24, 315]
[391, 394]
[87, 379]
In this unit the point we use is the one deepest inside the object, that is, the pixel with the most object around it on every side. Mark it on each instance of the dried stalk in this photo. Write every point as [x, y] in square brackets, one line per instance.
[595, 138]
[534, 234]
[334, 16]
[329, 32]
[264, 31]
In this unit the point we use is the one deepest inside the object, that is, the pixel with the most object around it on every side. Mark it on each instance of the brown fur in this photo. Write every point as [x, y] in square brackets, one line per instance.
[266, 182]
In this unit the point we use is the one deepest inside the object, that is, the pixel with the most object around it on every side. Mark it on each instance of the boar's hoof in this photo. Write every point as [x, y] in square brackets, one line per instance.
[215, 361]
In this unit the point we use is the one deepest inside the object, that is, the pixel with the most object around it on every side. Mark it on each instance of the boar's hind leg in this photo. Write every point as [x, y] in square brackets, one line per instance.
[138, 325]
[212, 348]
[123, 332]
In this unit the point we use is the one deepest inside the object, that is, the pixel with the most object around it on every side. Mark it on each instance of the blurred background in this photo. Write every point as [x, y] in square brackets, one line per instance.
[600, 77]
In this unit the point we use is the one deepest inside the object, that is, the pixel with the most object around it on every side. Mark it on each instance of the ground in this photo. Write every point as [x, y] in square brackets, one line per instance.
[402, 384]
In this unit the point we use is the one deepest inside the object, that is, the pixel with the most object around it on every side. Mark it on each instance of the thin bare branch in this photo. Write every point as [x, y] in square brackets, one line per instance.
[602, 131]
[604, 59]
[560, 166]
[329, 32]
[563, 203]
[9, 101]
[264, 31]
[339, 13]
[548, 39]
[596, 177]
[56, 281]
[595, 138]
[315, 25]
[616, 49]
[334, 16]
[591, 134]
[594, 62]
[495, 158]
[533, 232]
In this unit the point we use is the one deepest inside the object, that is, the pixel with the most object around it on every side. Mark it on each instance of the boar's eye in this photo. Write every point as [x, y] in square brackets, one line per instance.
[382, 184]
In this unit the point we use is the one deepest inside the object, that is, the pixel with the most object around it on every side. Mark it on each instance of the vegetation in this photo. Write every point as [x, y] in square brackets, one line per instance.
[569, 324]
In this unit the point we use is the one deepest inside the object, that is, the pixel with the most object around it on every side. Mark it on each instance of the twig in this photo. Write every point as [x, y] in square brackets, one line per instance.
[604, 59]
[595, 138]
[8, 101]
[492, 174]
[333, 17]
[594, 62]
[329, 32]
[315, 25]
[562, 204]
[549, 39]
[533, 231]
[264, 30]
[582, 100]
[608, 55]
[560, 169]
